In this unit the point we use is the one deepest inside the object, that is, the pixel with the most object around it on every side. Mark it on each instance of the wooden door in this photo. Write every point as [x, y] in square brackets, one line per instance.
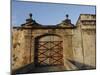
[50, 51]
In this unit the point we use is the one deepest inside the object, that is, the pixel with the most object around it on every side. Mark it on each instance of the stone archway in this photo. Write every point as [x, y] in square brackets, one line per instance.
[48, 50]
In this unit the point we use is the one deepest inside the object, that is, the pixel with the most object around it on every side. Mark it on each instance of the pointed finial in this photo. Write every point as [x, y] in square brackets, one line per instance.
[30, 15]
[67, 16]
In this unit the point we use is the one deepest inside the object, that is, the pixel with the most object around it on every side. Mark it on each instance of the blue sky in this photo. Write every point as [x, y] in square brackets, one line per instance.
[47, 13]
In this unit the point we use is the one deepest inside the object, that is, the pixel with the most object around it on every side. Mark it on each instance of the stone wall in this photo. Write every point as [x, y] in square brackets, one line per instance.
[18, 51]
[88, 28]
[84, 40]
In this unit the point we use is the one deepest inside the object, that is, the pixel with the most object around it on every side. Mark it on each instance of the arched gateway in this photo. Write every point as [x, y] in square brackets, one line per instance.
[49, 50]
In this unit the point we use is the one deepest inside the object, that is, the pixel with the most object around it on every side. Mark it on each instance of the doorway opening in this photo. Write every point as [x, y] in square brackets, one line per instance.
[49, 51]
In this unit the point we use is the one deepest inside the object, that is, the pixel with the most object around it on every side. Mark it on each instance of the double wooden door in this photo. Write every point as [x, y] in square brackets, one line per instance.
[50, 52]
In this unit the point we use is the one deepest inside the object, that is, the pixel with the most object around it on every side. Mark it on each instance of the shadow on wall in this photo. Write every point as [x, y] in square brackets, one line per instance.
[24, 69]
[81, 66]
[30, 68]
